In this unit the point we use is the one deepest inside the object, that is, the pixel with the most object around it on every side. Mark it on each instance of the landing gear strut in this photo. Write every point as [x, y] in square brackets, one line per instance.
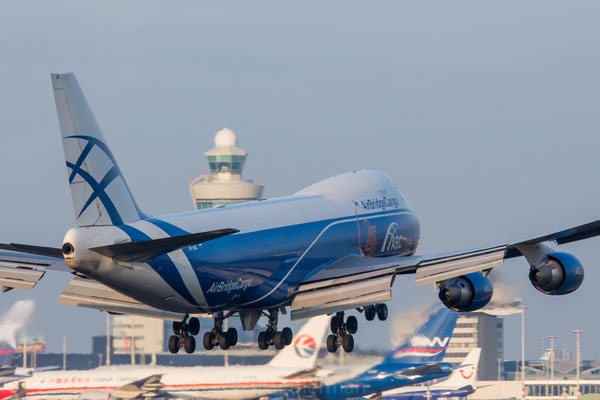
[184, 333]
[342, 333]
[271, 336]
[216, 336]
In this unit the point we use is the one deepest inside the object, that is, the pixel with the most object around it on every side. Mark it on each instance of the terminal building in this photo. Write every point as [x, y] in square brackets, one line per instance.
[224, 185]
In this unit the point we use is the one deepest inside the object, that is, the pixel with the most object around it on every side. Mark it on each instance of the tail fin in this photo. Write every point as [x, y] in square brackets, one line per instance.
[302, 353]
[466, 373]
[7, 353]
[429, 343]
[98, 189]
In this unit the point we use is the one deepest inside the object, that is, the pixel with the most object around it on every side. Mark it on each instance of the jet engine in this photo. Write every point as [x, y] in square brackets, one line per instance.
[467, 292]
[558, 273]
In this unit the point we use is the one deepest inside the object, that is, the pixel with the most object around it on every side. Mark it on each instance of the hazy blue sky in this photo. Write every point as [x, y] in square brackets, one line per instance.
[484, 113]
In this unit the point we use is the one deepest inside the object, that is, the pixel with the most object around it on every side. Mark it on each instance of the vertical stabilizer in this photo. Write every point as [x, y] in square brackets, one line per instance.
[98, 189]
[429, 343]
[466, 373]
[302, 353]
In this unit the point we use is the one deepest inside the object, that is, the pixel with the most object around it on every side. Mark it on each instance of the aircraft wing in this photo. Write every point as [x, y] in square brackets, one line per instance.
[355, 281]
[23, 270]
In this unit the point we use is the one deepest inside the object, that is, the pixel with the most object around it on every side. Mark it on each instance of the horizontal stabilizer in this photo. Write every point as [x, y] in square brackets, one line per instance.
[142, 251]
[27, 248]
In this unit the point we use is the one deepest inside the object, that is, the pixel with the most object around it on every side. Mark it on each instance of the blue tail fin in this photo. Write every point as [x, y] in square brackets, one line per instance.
[7, 353]
[429, 343]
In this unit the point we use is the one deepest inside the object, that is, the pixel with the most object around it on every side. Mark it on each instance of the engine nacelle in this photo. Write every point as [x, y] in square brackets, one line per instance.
[559, 273]
[466, 293]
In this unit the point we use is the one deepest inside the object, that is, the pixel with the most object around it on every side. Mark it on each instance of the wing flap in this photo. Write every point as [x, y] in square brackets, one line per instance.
[83, 292]
[437, 270]
[20, 278]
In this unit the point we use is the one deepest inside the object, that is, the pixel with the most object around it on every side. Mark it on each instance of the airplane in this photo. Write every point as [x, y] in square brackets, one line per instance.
[331, 247]
[461, 383]
[290, 368]
[418, 359]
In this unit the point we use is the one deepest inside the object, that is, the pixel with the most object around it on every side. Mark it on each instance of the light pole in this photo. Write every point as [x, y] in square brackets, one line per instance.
[551, 356]
[577, 332]
[523, 351]
[542, 345]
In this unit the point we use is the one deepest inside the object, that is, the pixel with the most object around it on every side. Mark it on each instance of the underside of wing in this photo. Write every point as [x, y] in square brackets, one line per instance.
[84, 292]
[23, 271]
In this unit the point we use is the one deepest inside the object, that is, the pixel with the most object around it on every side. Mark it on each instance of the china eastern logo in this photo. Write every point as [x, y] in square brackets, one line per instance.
[305, 346]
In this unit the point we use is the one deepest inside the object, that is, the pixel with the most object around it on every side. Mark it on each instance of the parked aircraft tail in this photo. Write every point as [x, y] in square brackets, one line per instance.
[7, 353]
[98, 189]
[302, 353]
[429, 343]
[466, 373]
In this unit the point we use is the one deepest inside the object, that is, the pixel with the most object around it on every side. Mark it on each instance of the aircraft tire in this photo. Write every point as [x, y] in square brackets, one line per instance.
[288, 335]
[194, 326]
[224, 341]
[370, 312]
[174, 344]
[348, 343]
[263, 342]
[333, 324]
[232, 335]
[332, 343]
[189, 344]
[176, 327]
[382, 311]
[278, 340]
[207, 341]
[352, 324]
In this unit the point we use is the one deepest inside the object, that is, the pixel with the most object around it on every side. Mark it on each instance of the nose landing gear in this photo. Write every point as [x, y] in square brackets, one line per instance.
[184, 333]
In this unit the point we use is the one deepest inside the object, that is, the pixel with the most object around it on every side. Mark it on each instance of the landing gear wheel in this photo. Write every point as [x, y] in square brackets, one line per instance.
[382, 311]
[232, 336]
[189, 344]
[176, 327]
[348, 343]
[207, 341]
[263, 340]
[333, 324]
[194, 326]
[223, 341]
[174, 344]
[332, 343]
[352, 324]
[288, 335]
[370, 312]
[278, 341]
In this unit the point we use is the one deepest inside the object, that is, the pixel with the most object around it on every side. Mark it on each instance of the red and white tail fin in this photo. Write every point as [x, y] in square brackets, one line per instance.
[464, 374]
[302, 353]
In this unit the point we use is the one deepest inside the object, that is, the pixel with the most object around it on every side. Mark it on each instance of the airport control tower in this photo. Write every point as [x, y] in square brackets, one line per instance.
[224, 185]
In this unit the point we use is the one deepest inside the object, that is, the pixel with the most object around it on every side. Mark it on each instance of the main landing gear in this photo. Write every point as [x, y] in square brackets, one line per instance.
[342, 331]
[271, 336]
[184, 333]
[216, 336]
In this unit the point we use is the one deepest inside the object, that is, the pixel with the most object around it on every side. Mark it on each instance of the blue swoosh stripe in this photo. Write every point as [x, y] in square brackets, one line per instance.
[100, 193]
[163, 265]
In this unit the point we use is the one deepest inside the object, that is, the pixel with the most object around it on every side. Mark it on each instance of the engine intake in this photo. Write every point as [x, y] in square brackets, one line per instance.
[559, 273]
[466, 293]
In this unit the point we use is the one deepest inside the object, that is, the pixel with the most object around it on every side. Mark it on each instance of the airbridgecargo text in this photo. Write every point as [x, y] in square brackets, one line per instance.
[383, 203]
[230, 286]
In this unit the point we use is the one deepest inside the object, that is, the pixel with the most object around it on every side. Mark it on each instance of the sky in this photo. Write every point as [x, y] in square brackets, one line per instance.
[485, 114]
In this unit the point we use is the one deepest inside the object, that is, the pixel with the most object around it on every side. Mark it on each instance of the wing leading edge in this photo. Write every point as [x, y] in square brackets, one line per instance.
[355, 281]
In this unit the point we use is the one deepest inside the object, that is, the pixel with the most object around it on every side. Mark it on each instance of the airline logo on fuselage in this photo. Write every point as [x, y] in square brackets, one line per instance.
[305, 346]
[230, 286]
[393, 239]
